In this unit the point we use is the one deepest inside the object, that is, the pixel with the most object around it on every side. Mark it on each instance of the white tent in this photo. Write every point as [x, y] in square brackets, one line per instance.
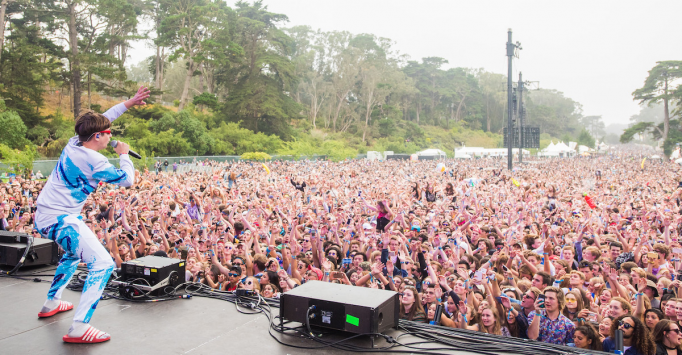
[559, 149]
[583, 149]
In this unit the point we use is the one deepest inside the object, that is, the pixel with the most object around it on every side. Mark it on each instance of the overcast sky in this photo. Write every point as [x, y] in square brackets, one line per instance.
[596, 52]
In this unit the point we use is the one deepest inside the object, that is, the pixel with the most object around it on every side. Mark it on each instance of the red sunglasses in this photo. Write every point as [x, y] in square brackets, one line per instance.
[107, 131]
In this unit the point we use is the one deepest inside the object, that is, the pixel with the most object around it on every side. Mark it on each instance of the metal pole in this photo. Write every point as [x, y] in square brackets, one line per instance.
[510, 132]
[520, 119]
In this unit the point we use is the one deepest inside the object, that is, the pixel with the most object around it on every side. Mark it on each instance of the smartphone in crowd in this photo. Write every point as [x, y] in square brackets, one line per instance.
[592, 317]
[542, 298]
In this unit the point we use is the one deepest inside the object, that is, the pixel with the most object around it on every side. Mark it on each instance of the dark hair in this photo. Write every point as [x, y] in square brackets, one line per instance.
[591, 334]
[641, 338]
[416, 306]
[274, 279]
[656, 311]
[584, 263]
[236, 269]
[662, 326]
[238, 227]
[89, 123]
[546, 278]
[465, 263]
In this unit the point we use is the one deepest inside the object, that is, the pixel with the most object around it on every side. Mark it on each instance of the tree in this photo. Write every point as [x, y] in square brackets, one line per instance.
[495, 97]
[659, 86]
[584, 138]
[649, 113]
[190, 27]
[261, 76]
[13, 132]
[638, 128]
[594, 125]
[427, 77]
[553, 112]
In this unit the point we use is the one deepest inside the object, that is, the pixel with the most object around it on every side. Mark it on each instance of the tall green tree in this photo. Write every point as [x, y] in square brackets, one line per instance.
[659, 86]
[262, 75]
[30, 62]
[190, 27]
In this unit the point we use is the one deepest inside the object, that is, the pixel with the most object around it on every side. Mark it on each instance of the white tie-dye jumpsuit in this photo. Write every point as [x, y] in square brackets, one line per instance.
[76, 175]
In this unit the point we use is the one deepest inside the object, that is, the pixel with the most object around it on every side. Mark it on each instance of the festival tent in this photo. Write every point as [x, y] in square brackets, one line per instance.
[559, 149]
[584, 149]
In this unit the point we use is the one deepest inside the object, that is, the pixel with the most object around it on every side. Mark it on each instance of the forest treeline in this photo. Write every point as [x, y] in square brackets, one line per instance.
[232, 80]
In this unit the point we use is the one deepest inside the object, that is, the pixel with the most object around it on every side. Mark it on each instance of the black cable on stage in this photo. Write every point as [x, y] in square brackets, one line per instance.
[29, 246]
[440, 338]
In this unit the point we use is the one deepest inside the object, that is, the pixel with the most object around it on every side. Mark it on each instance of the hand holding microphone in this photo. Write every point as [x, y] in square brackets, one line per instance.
[123, 148]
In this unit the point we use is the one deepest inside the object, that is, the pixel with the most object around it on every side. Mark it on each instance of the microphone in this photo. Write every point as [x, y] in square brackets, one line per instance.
[133, 154]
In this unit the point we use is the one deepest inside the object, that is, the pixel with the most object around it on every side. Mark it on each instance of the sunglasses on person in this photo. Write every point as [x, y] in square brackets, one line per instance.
[676, 330]
[237, 264]
[529, 297]
[233, 274]
[626, 326]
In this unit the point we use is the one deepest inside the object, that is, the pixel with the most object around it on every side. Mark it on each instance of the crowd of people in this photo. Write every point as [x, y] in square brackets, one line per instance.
[563, 251]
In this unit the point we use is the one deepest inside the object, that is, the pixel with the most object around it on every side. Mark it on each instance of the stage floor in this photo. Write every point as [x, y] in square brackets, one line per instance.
[183, 326]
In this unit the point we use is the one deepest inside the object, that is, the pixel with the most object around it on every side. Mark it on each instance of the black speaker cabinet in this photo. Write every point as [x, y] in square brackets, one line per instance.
[352, 309]
[12, 246]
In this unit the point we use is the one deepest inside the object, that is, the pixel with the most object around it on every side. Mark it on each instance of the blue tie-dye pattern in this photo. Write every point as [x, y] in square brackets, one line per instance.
[67, 238]
[67, 267]
[110, 175]
[97, 278]
[73, 178]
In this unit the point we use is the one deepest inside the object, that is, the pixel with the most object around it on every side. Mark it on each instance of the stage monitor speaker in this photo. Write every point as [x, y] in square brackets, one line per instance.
[13, 245]
[153, 273]
[357, 310]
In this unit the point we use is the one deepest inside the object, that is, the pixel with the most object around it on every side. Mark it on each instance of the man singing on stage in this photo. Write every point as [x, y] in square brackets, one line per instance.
[77, 174]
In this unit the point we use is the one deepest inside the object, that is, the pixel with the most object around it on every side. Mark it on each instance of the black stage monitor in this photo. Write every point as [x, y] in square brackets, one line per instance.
[13, 244]
[358, 310]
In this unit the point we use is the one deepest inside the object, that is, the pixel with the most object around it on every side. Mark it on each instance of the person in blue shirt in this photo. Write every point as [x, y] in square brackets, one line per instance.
[637, 339]
[78, 172]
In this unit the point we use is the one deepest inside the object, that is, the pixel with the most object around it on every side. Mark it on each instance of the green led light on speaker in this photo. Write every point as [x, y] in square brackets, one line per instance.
[352, 320]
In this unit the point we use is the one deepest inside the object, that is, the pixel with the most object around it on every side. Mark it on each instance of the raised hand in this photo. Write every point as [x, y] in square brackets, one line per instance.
[462, 308]
[141, 95]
